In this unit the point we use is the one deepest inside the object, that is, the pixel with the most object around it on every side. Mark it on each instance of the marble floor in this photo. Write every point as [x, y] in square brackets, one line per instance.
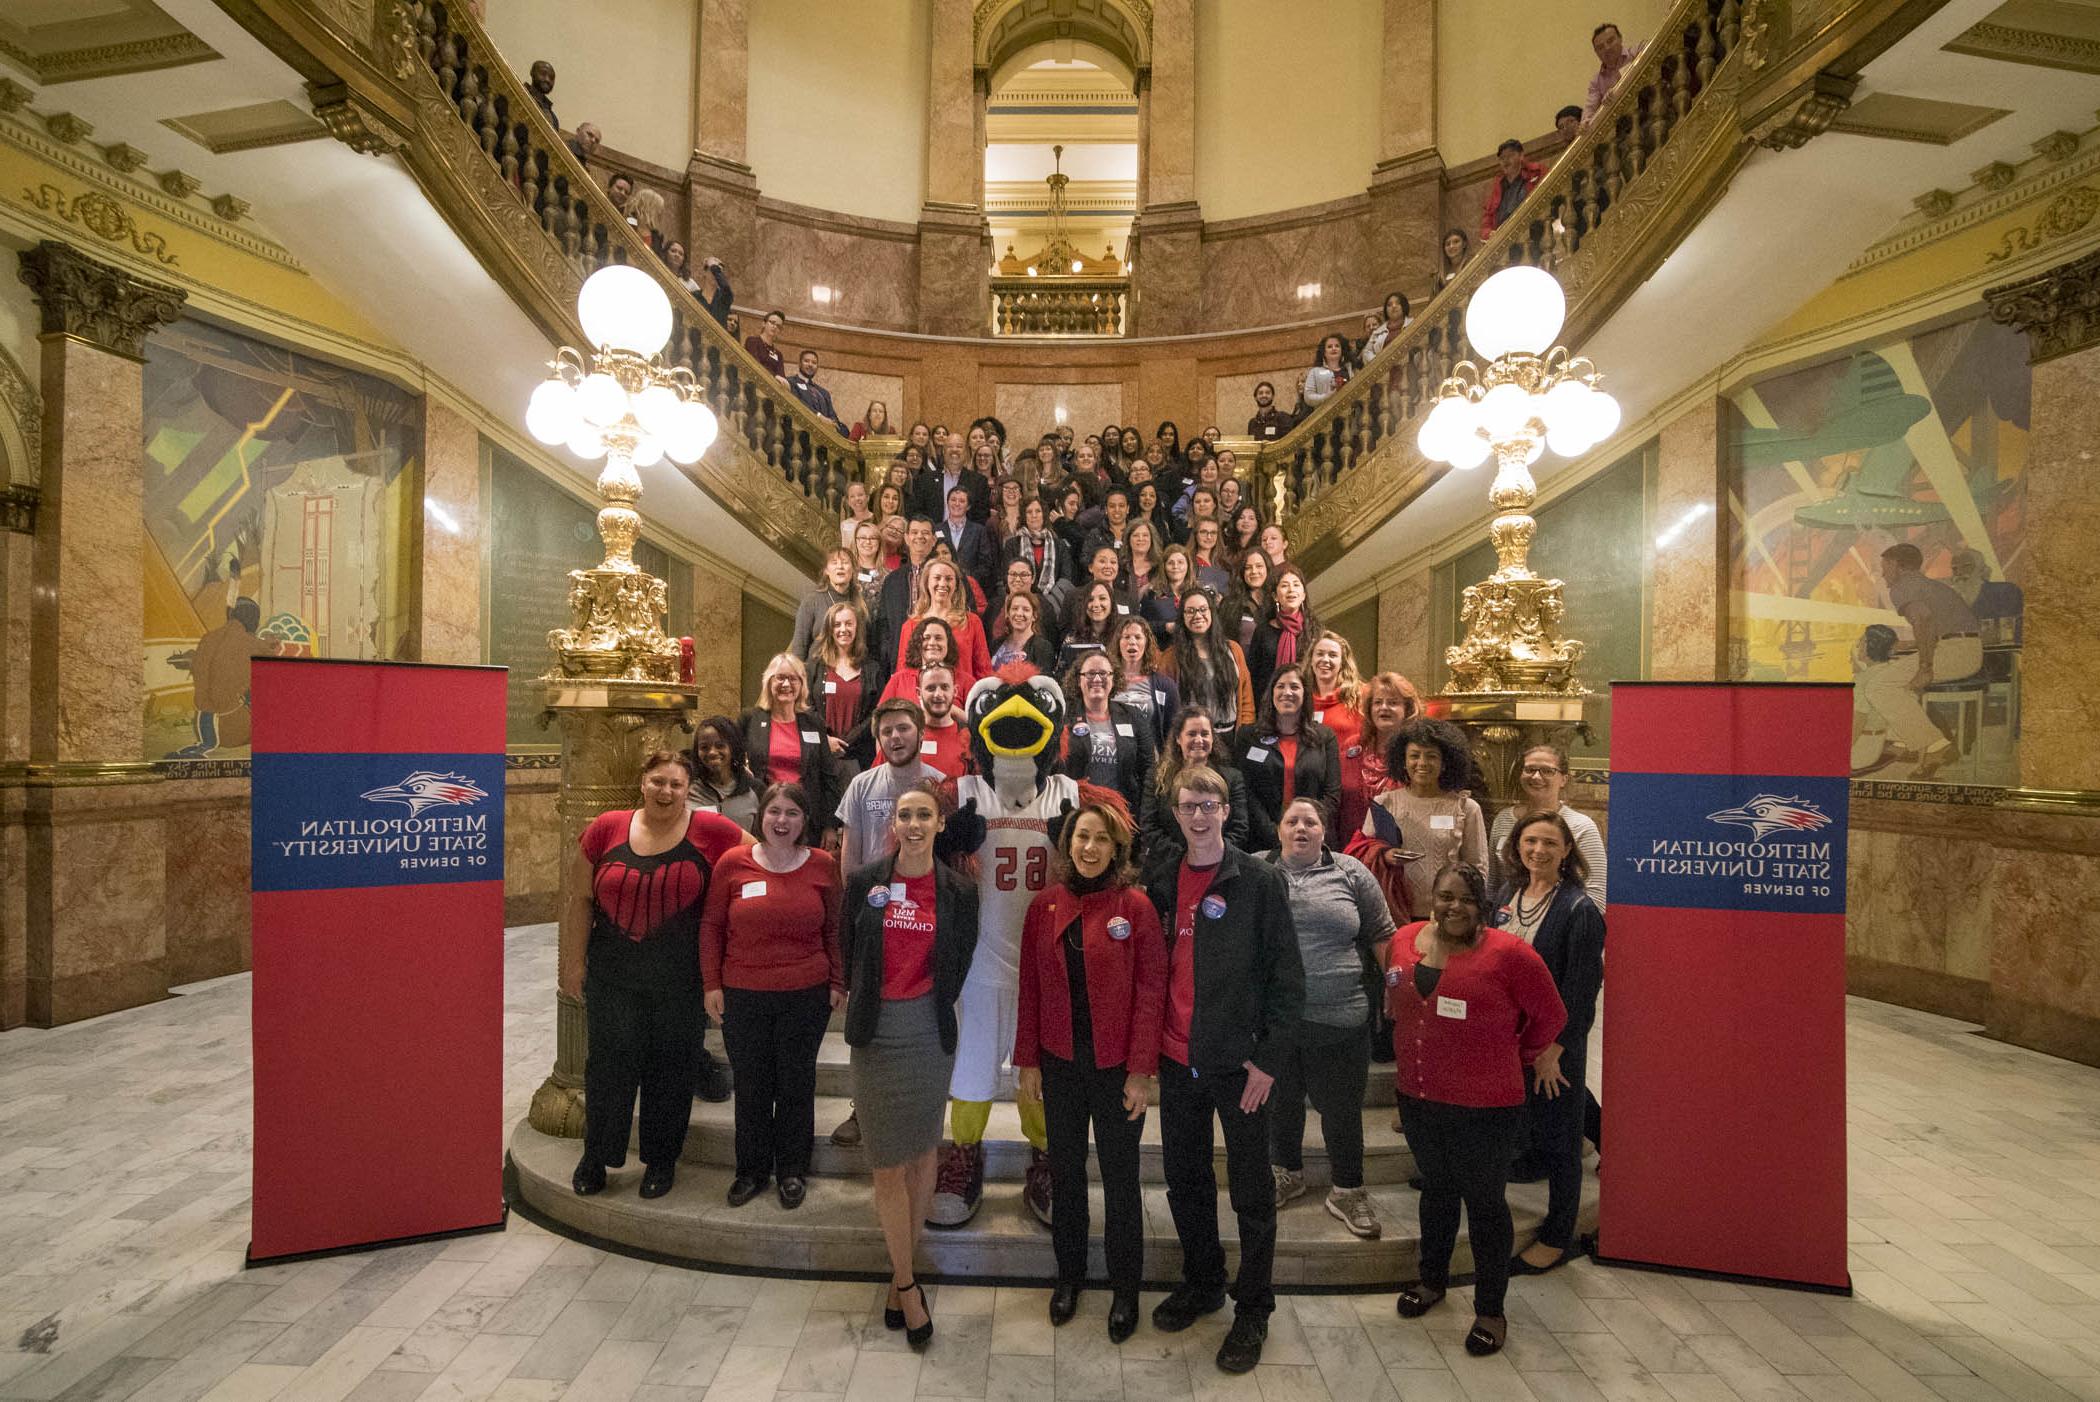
[123, 1217]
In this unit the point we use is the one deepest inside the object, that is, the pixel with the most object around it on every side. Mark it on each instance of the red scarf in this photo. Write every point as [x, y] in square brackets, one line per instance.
[1288, 631]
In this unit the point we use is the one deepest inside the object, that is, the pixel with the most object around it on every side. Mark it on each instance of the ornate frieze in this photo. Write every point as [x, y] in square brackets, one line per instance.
[2059, 310]
[83, 297]
[103, 217]
[2061, 217]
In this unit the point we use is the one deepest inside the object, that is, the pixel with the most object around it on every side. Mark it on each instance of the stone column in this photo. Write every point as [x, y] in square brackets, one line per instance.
[95, 841]
[1690, 611]
[446, 562]
[954, 241]
[718, 667]
[722, 191]
[1168, 285]
[2044, 941]
[1404, 229]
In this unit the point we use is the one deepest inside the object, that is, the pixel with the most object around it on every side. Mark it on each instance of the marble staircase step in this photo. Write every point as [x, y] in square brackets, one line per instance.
[712, 1143]
[835, 1231]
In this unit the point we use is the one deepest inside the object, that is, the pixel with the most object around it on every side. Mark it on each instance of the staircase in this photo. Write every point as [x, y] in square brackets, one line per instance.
[834, 1232]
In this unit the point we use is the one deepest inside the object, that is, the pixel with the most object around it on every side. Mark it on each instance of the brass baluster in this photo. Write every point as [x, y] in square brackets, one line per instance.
[448, 64]
[1730, 25]
[1705, 52]
[796, 466]
[426, 32]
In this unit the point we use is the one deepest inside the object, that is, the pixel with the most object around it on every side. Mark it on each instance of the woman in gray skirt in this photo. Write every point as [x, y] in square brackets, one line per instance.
[908, 930]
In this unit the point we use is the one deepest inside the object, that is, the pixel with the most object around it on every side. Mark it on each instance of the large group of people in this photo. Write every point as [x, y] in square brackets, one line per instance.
[1259, 873]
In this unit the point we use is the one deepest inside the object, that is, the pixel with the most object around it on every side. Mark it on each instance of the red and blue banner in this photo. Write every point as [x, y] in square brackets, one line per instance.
[377, 845]
[1724, 1002]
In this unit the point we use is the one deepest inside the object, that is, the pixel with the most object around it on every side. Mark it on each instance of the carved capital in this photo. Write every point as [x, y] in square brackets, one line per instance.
[353, 120]
[96, 302]
[2059, 310]
[1807, 115]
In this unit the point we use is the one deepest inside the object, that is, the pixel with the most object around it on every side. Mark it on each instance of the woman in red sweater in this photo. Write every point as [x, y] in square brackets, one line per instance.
[1472, 1007]
[1093, 991]
[769, 961]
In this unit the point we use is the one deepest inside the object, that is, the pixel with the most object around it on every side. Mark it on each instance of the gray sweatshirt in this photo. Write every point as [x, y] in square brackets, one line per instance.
[1339, 912]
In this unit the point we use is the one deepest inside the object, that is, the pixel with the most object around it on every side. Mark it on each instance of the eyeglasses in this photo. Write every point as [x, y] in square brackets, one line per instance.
[1540, 771]
[1208, 808]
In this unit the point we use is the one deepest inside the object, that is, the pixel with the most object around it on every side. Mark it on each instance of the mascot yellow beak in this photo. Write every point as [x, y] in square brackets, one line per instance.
[1015, 729]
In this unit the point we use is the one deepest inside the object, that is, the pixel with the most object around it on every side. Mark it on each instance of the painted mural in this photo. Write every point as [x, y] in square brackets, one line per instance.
[1873, 495]
[275, 487]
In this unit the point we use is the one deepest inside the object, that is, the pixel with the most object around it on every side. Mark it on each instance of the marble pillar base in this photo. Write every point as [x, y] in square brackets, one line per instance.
[722, 215]
[1404, 231]
[95, 867]
[1167, 288]
[955, 259]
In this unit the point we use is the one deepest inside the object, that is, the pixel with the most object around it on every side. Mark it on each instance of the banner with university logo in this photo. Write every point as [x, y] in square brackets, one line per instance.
[1724, 1003]
[377, 898]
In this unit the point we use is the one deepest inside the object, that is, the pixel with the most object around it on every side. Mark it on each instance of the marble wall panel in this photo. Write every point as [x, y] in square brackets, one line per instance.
[97, 862]
[1920, 901]
[16, 564]
[852, 389]
[532, 847]
[873, 272]
[449, 564]
[14, 911]
[2045, 951]
[954, 278]
[1030, 411]
[207, 877]
[1686, 610]
[1252, 269]
[2060, 705]
[1403, 628]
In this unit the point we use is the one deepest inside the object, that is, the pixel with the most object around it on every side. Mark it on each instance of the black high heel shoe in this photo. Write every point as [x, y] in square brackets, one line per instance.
[893, 1317]
[920, 1337]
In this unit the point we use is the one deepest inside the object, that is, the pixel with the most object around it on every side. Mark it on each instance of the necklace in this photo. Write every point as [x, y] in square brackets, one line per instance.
[1531, 916]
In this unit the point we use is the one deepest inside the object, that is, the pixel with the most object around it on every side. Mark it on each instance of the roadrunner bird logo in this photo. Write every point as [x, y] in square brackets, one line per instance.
[424, 789]
[1769, 813]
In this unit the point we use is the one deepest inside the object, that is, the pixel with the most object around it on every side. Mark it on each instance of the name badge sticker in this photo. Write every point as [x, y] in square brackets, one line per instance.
[1454, 1008]
[1124, 730]
[897, 891]
[1257, 755]
[750, 889]
[1213, 906]
[1119, 929]
[810, 737]
[927, 747]
[1442, 822]
[1320, 717]
[879, 897]
[831, 688]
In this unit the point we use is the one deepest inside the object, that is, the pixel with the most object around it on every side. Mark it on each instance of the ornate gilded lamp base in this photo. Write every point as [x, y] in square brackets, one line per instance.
[1512, 641]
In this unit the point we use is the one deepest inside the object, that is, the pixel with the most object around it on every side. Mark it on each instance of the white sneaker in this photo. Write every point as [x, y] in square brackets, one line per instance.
[1289, 1184]
[1352, 1208]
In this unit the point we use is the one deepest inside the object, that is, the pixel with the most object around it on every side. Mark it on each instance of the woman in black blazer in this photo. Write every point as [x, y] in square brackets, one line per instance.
[1284, 734]
[806, 759]
[846, 702]
[1190, 740]
[1106, 742]
[907, 931]
[1547, 907]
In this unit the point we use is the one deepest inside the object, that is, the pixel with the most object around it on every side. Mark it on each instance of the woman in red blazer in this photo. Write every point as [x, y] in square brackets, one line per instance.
[1093, 991]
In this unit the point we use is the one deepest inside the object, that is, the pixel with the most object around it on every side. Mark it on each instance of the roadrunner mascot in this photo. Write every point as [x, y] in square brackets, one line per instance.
[1007, 818]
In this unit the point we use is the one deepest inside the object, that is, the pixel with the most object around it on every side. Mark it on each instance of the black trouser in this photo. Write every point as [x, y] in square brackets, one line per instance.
[1463, 1153]
[1329, 1066]
[1592, 1119]
[639, 1041]
[772, 1038]
[1554, 1144]
[1075, 1095]
[1187, 1101]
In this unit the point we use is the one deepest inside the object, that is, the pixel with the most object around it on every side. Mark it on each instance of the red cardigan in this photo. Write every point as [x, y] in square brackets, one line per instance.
[781, 938]
[1494, 1009]
[1126, 978]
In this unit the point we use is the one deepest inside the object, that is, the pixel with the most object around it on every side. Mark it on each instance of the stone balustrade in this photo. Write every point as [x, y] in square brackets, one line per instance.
[1064, 306]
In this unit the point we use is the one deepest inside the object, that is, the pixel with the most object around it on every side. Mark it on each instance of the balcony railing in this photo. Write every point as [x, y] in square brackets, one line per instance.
[1603, 200]
[1060, 306]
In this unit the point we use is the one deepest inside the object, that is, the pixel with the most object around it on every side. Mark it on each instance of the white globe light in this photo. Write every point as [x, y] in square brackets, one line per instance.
[1518, 309]
[1566, 407]
[656, 410]
[587, 443]
[622, 307]
[600, 401]
[550, 415]
[1468, 453]
[1570, 440]
[1506, 409]
[695, 433]
[1449, 420]
[1604, 416]
[648, 451]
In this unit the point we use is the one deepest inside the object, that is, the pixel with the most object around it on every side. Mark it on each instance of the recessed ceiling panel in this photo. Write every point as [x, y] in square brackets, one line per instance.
[2046, 33]
[1900, 117]
[245, 128]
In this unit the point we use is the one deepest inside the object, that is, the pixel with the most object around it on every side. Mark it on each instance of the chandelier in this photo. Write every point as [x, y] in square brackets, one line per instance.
[625, 405]
[1529, 396]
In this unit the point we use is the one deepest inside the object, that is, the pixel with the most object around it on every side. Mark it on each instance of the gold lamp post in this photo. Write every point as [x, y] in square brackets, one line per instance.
[614, 681]
[1513, 680]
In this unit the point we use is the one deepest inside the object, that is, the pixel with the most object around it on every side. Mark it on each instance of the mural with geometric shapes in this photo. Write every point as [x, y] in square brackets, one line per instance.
[276, 499]
[1915, 439]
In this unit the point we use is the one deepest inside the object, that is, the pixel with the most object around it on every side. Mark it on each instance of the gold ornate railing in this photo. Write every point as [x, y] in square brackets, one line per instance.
[1602, 217]
[1065, 306]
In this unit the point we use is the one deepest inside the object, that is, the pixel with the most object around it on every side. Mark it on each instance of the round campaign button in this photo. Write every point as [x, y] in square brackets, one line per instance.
[879, 897]
[1213, 906]
[1079, 731]
[1392, 978]
[1353, 751]
[1119, 929]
